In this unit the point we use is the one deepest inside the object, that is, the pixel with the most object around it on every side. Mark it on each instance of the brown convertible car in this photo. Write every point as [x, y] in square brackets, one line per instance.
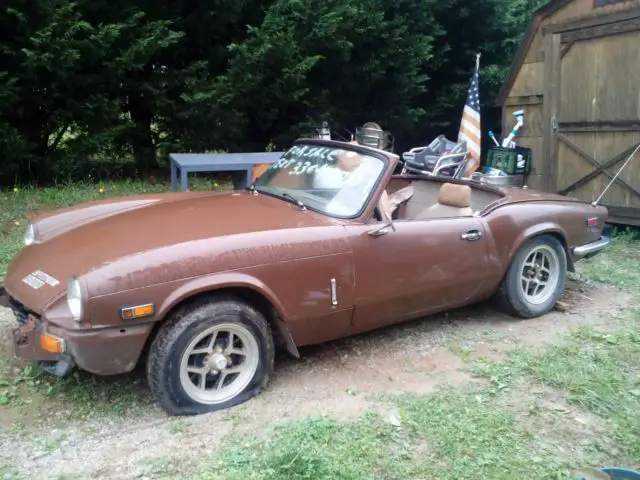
[328, 242]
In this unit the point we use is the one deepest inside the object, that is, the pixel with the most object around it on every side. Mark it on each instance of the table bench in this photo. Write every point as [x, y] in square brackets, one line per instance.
[245, 167]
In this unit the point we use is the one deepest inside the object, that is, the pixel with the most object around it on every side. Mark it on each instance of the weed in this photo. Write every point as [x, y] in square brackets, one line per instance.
[315, 448]
[619, 265]
[597, 371]
[177, 427]
[471, 433]
[82, 394]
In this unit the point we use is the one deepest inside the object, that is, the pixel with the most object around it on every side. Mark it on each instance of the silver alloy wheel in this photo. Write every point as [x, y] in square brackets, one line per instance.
[540, 274]
[219, 363]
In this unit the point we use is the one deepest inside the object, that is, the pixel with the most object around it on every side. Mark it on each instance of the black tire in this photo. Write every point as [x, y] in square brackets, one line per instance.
[511, 296]
[184, 325]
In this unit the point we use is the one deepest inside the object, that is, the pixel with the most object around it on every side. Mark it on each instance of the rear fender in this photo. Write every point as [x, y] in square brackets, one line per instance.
[540, 229]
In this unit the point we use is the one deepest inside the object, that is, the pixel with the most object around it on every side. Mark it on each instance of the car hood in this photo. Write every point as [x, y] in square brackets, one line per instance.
[97, 236]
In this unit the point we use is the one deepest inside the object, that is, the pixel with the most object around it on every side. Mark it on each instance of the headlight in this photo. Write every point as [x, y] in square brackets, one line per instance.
[74, 299]
[30, 235]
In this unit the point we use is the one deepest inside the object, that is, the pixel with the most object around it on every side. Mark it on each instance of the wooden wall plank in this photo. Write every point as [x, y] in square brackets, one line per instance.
[578, 83]
[535, 181]
[532, 120]
[616, 87]
[596, 18]
[602, 31]
[524, 100]
[606, 146]
[577, 10]
[529, 80]
[552, 78]
[603, 147]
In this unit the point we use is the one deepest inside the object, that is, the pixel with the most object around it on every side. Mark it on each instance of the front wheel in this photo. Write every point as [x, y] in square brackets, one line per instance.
[536, 278]
[210, 355]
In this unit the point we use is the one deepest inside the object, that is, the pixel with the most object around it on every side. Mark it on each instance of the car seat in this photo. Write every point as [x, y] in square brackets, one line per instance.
[453, 201]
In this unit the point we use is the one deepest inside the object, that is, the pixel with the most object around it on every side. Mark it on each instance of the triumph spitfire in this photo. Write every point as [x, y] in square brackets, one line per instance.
[328, 242]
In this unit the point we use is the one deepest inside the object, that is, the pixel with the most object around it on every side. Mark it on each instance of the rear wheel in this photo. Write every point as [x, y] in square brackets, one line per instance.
[210, 355]
[536, 278]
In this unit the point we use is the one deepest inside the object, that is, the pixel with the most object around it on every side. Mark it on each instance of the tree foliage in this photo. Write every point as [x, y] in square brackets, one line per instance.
[136, 79]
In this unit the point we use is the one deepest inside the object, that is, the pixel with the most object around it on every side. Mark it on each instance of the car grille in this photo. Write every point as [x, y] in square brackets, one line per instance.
[20, 311]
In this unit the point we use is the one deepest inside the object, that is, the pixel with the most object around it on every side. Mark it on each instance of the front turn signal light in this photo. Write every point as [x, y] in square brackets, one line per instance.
[52, 344]
[129, 313]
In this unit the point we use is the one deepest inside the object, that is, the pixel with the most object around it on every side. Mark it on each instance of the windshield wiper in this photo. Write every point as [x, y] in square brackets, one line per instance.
[256, 188]
[293, 199]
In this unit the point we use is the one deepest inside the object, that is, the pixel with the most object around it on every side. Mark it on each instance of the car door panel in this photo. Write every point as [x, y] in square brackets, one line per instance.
[422, 267]
[316, 311]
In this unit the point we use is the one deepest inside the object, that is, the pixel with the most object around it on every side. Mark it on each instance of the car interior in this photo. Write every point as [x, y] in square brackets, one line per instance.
[406, 197]
[418, 198]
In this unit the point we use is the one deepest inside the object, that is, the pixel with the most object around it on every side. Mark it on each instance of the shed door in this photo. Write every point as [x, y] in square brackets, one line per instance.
[595, 114]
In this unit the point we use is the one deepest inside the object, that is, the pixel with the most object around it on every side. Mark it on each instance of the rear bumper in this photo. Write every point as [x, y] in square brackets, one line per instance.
[590, 249]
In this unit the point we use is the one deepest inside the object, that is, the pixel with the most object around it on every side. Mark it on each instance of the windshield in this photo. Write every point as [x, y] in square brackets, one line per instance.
[330, 180]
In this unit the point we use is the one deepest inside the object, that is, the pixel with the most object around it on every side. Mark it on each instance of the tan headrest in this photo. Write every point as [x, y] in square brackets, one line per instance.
[455, 195]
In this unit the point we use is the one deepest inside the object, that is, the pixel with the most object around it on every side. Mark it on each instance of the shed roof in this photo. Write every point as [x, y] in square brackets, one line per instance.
[547, 9]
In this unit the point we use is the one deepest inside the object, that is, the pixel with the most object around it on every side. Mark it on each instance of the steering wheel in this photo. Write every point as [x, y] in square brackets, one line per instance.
[377, 214]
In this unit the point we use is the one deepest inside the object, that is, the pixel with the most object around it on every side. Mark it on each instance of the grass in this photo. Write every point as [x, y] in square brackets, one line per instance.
[469, 434]
[83, 395]
[621, 268]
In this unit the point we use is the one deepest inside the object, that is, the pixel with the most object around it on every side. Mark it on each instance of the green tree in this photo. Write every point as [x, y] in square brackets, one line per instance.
[493, 28]
[348, 62]
[64, 65]
[138, 79]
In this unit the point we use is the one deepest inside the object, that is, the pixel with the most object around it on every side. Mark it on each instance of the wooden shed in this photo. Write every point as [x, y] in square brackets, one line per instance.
[576, 75]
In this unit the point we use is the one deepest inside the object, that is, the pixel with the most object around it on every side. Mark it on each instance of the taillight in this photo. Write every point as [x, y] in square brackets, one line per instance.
[592, 222]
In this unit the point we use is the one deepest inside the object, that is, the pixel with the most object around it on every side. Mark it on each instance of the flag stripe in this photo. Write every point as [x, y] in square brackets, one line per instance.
[474, 151]
[472, 146]
[471, 113]
[471, 128]
[470, 124]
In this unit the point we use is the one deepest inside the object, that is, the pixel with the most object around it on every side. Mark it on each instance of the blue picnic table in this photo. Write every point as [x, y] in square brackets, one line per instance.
[240, 164]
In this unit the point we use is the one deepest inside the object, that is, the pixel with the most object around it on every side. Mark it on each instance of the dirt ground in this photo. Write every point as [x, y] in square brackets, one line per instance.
[336, 379]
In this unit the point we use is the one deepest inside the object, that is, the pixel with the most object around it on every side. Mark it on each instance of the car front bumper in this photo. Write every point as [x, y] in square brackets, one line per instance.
[590, 249]
[103, 351]
[28, 345]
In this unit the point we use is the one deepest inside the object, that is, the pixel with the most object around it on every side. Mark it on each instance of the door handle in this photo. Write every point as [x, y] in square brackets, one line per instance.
[471, 235]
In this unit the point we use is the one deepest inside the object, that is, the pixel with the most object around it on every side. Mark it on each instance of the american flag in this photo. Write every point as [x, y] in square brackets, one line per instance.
[470, 125]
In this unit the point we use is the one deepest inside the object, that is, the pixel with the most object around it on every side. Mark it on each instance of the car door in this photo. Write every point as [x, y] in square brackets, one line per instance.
[422, 267]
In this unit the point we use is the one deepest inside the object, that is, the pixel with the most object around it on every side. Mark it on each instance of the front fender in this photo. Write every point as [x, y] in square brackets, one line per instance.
[218, 281]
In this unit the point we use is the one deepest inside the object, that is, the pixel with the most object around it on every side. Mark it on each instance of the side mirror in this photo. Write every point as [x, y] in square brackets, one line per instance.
[385, 228]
